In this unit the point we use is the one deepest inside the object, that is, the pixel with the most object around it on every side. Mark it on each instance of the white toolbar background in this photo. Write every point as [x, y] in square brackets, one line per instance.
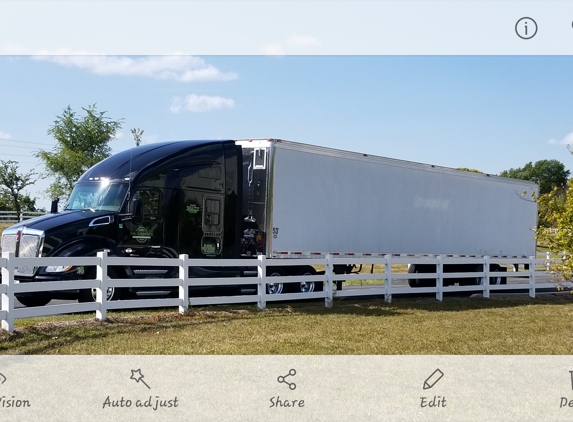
[283, 27]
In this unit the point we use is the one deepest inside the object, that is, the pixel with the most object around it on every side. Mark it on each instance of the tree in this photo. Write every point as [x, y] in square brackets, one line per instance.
[549, 174]
[27, 203]
[81, 143]
[557, 234]
[13, 182]
[137, 134]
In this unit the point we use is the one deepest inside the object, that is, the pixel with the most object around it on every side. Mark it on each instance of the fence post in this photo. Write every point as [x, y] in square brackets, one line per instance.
[388, 275]
[8, 297]
[184, 283]
[485, 280]
[440, 279]
[547, 262]
[329, 273]
[21, 217]
[101, 290]
[262, 284]
[532, 277]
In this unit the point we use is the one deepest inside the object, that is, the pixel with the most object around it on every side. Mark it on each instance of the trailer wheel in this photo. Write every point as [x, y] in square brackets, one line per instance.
[275, 288]
[421, 282]
[34, 300]
[476, 281]
[412, 282]
[497, 279]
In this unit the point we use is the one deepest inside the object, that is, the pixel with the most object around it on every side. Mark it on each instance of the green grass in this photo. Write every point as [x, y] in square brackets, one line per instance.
[500, 325]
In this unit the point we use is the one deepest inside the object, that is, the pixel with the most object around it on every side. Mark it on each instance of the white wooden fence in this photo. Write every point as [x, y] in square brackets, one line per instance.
[10, 287]
[14, 217]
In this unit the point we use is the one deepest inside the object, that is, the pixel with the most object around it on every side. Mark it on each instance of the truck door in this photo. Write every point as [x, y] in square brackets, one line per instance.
[145, 237]
[201, 231]
[201, 210]
[212, 225]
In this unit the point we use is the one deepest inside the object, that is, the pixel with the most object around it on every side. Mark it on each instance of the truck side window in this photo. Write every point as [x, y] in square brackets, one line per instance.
[202, 176]
[151, 202]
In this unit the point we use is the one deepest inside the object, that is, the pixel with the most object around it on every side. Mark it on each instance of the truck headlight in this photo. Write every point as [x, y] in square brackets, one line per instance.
[58, 269]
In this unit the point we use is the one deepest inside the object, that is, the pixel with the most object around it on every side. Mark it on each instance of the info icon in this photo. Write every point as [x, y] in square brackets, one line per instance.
[526, 28]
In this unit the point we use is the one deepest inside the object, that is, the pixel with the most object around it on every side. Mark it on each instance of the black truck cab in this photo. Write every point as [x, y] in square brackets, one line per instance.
[156, 200]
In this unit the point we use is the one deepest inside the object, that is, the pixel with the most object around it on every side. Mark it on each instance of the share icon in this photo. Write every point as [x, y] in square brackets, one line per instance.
[281, 379]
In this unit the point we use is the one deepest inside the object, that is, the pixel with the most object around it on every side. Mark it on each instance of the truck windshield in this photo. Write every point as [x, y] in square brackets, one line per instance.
[96, 196]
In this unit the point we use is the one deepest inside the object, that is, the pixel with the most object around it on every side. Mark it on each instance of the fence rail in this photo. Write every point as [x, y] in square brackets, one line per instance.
[10, 287]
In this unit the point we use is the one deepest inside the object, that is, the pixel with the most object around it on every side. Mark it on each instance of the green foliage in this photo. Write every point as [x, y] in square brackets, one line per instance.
[82, 141]
[12, 183]
[556, 211]
[549, 174]
[137, 134]
[468, 169]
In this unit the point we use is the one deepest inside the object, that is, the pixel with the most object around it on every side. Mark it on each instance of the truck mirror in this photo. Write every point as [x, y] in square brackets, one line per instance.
[54, 206]
[137, 211]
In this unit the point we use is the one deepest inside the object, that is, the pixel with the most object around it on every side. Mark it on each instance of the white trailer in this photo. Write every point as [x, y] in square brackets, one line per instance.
[320, 200]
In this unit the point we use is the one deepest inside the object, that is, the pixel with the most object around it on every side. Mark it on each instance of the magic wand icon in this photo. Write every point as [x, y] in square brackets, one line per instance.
[138, 377]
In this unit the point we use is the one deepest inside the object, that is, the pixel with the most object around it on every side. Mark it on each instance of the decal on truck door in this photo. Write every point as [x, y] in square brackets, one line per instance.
[143, 235]
[192, 209]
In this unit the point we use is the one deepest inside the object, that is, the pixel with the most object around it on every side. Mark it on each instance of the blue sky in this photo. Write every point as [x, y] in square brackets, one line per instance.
[485, 112]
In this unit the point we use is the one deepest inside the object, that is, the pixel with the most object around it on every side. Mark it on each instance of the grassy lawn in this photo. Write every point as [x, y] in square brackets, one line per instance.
[502, 325]
[510, 324]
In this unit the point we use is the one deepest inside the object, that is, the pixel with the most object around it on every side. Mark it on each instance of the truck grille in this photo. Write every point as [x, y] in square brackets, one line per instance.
[27, 247]
[9, 243]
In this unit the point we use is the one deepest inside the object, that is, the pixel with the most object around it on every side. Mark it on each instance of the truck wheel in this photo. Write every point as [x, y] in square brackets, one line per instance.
[33, 301]
[310, 286]
[275, 288]
[89, 295]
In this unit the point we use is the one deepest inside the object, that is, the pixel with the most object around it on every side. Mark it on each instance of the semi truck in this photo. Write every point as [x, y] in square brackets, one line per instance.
[286, 200]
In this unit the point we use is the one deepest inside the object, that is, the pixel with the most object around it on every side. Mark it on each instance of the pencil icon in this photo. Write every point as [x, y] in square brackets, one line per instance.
[433, 379]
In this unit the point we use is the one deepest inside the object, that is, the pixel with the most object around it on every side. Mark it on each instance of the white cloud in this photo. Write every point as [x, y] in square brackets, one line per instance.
[199, 103]
[303, 41]
[567, 140]
[178, 67]
[176, 104]
[4, 135]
